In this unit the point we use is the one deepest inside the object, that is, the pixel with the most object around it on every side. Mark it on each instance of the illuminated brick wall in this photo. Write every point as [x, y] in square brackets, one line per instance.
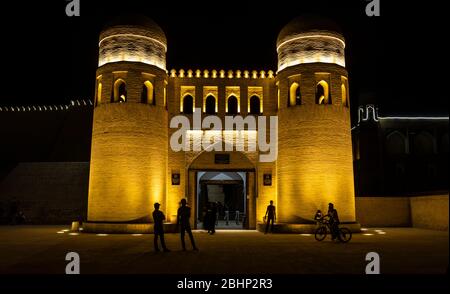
[315, 148]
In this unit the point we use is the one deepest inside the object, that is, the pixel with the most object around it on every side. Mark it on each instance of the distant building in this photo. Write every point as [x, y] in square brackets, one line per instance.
[395, 155]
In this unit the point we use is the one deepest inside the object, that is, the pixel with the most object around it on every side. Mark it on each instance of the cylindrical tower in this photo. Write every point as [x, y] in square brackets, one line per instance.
[315, 149]
[129, 138]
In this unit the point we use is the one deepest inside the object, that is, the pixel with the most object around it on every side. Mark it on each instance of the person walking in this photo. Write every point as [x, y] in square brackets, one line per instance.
[183, 216]
[270, 217]
[158, 229]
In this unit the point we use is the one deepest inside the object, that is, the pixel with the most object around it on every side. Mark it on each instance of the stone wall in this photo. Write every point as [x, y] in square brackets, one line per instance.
[47, 192]
[430, 212]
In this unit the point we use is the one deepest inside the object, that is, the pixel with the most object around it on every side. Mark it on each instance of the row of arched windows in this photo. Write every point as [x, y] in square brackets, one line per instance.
[323, 95]
[210, 106]
[422, 143]
[119, 92]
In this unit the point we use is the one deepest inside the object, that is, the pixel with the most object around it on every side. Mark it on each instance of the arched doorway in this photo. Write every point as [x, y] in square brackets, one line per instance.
[228, 178]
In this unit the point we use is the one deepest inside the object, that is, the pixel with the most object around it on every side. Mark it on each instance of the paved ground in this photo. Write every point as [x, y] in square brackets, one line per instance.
[26, 249]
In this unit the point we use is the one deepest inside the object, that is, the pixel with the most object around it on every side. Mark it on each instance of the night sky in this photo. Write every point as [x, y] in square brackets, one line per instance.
[49, 58]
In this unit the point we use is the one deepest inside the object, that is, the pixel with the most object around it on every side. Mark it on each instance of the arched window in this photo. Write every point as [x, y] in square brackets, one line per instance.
[232, 105]
[188, 104]
[210, 105]
[99, 93]
[423, 144]
[295, 97]
[396, 143]
[148, 93]
[119, 91]
[255, 105]
[344, 95]
[322, 93]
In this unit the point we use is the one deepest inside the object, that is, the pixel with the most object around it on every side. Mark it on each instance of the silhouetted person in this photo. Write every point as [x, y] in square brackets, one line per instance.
[318, 215]
[212, 218]
[334, 221]
[270, 216]
[183, 215]
[158, 219]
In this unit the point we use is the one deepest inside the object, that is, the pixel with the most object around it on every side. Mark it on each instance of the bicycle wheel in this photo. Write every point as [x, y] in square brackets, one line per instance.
[321, 233]
[345, 235]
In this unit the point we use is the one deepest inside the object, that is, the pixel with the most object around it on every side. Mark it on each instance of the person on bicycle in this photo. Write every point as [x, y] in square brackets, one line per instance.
[334, 221]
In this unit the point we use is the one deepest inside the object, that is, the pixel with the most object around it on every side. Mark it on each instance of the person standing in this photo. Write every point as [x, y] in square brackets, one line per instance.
[158, 229]
[334, 221]
[183, 216]
[270, 216]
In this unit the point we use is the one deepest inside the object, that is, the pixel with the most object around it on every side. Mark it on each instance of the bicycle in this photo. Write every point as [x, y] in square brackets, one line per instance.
[345, 235]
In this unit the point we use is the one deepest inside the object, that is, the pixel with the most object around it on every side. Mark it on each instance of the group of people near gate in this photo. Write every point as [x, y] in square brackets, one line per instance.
[184, 214]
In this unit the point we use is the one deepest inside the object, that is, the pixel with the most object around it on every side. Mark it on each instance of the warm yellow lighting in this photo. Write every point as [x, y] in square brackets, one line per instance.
[263, 74]
[165, 94]
[206, 73]
[60, 232]
[173, 73]
[238, 74]
[102, 235]
[305, 235]
[214, 74]
[254, 74]
[149, 86]
[187, 93]
[308, 36]
[364, 229]
[210, 91]
[255, 91]
[246, 74]
[230, 74]
[181, 73]
[189, 73]
[368, 234]
[132, 35]
[66, 230]
[99, 93]
[117, 95]
[233, 91]
[136, 235]
[324, 99]
[344, 91]
[322, 47]
[222, 73]
[292, 93]
[74, 234]
[198, 73]
[115, 48]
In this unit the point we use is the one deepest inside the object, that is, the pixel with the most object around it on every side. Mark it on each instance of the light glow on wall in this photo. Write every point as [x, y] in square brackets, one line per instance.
[132, 48]
[324, 99]
[311, 48]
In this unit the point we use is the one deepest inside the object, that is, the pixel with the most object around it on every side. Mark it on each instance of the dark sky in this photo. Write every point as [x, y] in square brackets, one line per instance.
[51, 58]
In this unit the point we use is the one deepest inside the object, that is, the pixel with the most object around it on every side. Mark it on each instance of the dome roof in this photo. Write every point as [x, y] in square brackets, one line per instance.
[139, 23]
[307, 23]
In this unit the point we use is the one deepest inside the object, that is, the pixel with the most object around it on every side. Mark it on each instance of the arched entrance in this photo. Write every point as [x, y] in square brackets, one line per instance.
[227, 179]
